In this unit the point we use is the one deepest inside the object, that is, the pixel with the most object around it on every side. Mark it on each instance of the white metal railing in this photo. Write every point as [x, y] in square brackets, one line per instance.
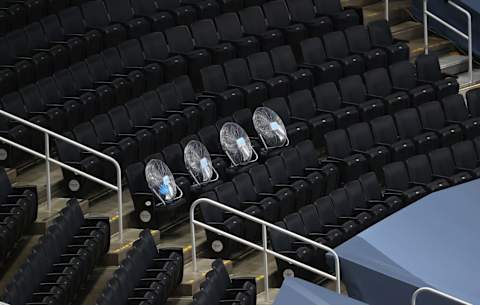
[264, 247]
[48, 160]
[468, 37]
[387, 10]
[434, 291]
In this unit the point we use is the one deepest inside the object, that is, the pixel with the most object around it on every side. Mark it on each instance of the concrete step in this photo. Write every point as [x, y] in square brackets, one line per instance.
[398, 12]
[437, 45]
[453, 63]
[191, 280]
[464, 79]
[262, 297]
[46, 216]
[118, 250]
[359, 3]
[252, 266]
[407, 30]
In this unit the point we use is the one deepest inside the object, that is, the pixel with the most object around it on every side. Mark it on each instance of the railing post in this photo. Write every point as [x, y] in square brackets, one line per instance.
[387, 10]
[434, 291]
[265, 263]
[194, 239]
[425, 25]
[47, 169]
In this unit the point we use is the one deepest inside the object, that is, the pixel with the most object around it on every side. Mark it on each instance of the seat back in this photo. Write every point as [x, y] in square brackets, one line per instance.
[384, 129]
[408, 123]
[431, 115]
[360, 136]
[378, 82]
[301, 9]
[204, 32]
[229, 26]
[327, 96]
[154, 45]
[253, 20]
[179, 39]
[465, 155]
[302, 104]
[454, 108]
[403, 75]
[419, 169]
[428, 68]
[442, 162]
[283, 59]
[236, 71]
[352, 89]
[337, 143]
[380, 33]
[213, 78]
[473, 101]
[260, 65]
[335, 44]
[277, 13]
[358, 38]
[313, 51]
[395, 176]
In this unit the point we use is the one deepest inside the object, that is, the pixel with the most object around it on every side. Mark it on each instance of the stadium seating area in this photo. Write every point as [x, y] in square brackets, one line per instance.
[370, 131]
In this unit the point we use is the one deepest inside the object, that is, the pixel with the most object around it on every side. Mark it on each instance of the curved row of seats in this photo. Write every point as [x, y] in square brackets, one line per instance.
[218, 288]
[61, 261]
[147, 275]
[18, 211]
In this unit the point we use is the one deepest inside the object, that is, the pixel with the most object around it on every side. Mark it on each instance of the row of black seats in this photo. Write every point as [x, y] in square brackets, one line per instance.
[419, 175]
[218, 288]
[270, 191]
[331, 220]
[18, 211]
[146, 276]
[16, 14]
[411, 131]
[133, 131]
[61, 261]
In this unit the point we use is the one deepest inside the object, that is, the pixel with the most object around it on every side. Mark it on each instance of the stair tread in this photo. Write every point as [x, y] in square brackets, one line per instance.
[436, 44]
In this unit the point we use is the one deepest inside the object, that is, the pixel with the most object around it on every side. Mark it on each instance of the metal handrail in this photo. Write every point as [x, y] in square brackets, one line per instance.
[387, 10]
[48, 160]
[468, 37]
[264, 246]
[434, 291]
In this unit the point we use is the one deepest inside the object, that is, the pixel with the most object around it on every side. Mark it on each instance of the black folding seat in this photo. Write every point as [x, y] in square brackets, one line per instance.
[204, 8]
[343, 17]
[133, 59]
[374, 194]
[354, 92]
[96, 17]
[362, 141]
[184, 14]
[173, 105]
[433, 119]
[156, 112]
[230, 30]
[328, 100]
[314, 57]
[15, 72]
[456, 112]
[385, 133]
[261, 68]
[120, 11]
[329, 219]
[296, 130]
[136, 78]
[15, 16]
[238, 76]
[421, 174]
[284, 63]
[180, 41]
[316, 230]
[34, 9]
[255, 24]
[39, 42]
[303, 11]
[443, 165]
[160, 20]
[339, 150]
[397, 182]
[124, 128]
[107, 137]
[381, 36]
[404, 77]
[336, 48]
[278, 17]
[359, 203]
[346, 212]
[280, 178]
[428, 71]
[72, 25]
[359, 43]
[228, 100]
[186, 94]
[205, 34]
[379, 86]
[302, 108]
[466, 157]
[409, 126]
[473, 101]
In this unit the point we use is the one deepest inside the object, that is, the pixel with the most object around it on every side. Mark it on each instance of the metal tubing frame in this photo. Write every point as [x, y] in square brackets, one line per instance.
[264, 246]
[434, 291]
[468, 37]
[48, 160]
[387, 10]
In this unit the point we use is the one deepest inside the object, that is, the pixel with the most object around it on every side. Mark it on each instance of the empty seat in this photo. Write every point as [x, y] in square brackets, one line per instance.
[354, 192]
[421, 174]
[375, 194]
[161, 20]
[254, 23]
[284, 63]
[278, 17]
[343, 17]
[204, 8]
[354, 92]
[404, 76]
[443, 165]
[121, 11]
[359, 42]
[397, 181]
[261, 68]
[473, 101]
[303, 11]
[466, 157]
[378, 85]
[381, 36]
[346, 211]
[428, 70]
[385, 133]
[230, 29]
[328, 100]
[314, 57]
[336, 48]
[433, 118]
[456, 112]
[205, 34]
[410, 127]
[185, 14]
